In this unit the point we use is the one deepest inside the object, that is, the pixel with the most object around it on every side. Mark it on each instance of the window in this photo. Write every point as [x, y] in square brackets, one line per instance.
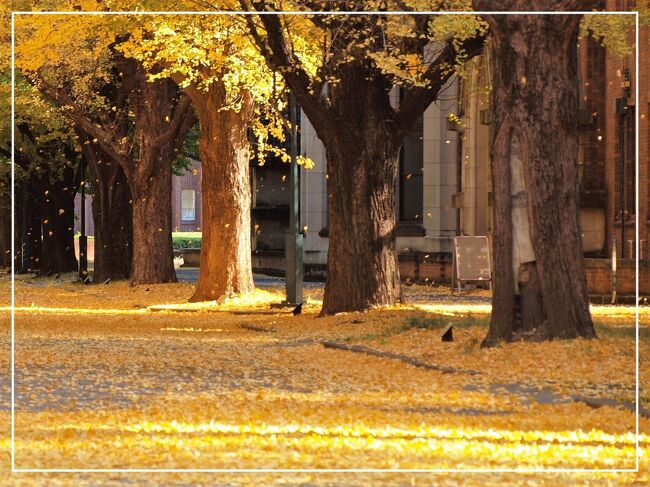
[411, 176]
[630, 169]
[188, 205]
[625, 171]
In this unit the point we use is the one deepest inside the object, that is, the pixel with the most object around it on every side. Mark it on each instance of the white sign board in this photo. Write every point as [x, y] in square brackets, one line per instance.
[472, 258]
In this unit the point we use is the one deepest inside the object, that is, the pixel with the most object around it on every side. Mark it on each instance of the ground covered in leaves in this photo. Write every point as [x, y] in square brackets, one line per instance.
[112, 376]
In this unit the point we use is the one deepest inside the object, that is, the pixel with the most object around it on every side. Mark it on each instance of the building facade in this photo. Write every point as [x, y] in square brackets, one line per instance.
[620, 110]
[186, 200]
[428, 178]
[186, 203]
[444, 184]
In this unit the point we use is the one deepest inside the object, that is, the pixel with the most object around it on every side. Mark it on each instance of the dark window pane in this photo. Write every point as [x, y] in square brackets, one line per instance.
[410, 177]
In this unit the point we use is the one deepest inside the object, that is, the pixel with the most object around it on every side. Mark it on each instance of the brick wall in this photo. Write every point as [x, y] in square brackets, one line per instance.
[420, 267]
[599, 277]
[425, 268]
[615, 65]
[644, 139]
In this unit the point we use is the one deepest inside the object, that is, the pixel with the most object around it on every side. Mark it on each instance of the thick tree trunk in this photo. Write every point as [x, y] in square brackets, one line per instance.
[150, 179]
[17, 231]
[362, 267]
[57, 213]
[153, 258]
[534, 115]
[362, 159]
[5, 235]
[112, 218]
[163, 118]
[28, 236]
[32, 237]
[225, 267]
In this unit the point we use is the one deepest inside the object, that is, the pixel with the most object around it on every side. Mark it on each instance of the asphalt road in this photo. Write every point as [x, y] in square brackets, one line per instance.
[191, 274]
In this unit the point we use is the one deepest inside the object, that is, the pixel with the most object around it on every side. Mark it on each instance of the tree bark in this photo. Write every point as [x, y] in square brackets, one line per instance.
[152, 230]
[5, 235]
[151, 183]
[31, 237]
[362, 267]
[362, 160]
[225, 266]
[112, 217]
[162, 120]
[57, 213]
[534, 115]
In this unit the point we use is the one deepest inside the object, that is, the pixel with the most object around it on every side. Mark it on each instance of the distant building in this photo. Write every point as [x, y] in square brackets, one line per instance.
[186, 203]
[428, 178]
[186, 200]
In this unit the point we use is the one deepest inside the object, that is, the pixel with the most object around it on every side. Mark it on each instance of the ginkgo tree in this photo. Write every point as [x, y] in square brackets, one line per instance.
[87, 75]
[347, 98]
[538, 257]
[47, 157]
[45, 173]
[5, 175]
[137, 124]
[5, 155]
[46, 178]
[235, 95]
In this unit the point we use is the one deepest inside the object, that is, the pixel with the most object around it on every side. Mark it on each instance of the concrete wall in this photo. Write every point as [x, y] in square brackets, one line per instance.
[313, 195]
[90, 226]
[476, 218]
[440, 174]
[440, 147]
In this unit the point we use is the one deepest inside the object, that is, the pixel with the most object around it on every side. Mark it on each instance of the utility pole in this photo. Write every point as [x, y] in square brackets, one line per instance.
[294, 238]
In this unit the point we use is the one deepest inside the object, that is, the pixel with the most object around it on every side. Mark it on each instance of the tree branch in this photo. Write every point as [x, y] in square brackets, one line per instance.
[279, 57]
[437, 75]
[110, 146]
[421, 21]
[182, 120]
[540, 5]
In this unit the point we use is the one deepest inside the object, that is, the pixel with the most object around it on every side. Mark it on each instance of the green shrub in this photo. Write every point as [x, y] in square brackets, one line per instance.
[438, 322]
[186, 240]
[425, 323]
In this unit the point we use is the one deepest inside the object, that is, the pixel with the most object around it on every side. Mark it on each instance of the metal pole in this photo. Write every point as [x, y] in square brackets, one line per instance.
[294, 239]
[83, 240]
[621, 196]
[624, 116]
